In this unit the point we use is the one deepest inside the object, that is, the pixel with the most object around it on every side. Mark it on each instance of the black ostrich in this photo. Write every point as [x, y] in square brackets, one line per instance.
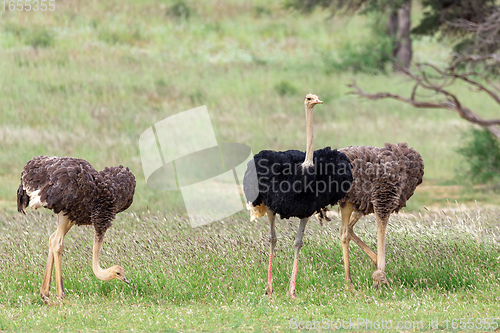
[295, 184]
[79, 195]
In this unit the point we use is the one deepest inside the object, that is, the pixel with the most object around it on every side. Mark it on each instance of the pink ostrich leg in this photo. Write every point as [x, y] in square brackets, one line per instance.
[298, 244]
[272, 241]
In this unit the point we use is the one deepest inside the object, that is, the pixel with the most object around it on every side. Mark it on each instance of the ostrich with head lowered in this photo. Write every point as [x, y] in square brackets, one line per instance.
[79, 195]
[295, 184]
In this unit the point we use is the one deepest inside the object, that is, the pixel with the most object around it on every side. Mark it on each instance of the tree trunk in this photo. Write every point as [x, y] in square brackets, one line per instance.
[495, 130]
[402, 49]
[392, 25]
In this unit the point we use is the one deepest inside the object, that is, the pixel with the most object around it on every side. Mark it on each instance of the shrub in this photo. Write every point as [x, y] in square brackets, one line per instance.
[36, 36]
[371, 56]
[260, 11]
[481, 153]
[40, 38]
[285, 88]
[121, 35]
[180, 11]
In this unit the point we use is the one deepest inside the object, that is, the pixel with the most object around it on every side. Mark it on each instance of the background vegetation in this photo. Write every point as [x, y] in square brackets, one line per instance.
[483, 150]
[87, 79]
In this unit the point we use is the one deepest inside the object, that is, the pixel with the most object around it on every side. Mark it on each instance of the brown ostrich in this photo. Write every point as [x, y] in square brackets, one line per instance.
[79, 195]
[383, 180]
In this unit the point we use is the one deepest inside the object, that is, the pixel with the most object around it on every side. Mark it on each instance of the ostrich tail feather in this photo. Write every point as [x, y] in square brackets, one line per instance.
[256, 211]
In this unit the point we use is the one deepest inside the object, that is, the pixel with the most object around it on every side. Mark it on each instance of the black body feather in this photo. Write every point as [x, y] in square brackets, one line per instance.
[74, 187]
[278, 180]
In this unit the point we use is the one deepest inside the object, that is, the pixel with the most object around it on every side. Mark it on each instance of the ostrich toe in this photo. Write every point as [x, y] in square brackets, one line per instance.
[379, 278]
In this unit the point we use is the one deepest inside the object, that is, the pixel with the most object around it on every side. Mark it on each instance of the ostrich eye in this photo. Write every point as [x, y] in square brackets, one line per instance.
[308, 98]
[117, 273]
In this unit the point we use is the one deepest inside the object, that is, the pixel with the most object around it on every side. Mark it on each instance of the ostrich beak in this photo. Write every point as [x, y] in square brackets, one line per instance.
[124, 279]
[318, 102]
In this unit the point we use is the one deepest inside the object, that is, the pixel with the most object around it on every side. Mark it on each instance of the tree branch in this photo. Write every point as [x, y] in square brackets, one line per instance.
[473, 59]
[452, 104]
[479, 86]
[437, 83]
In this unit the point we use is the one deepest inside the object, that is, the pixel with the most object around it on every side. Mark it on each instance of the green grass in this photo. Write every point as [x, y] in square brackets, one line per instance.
[441, 266]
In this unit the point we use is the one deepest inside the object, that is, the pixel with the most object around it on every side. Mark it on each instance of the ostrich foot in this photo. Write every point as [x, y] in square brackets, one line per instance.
[292, 294]
[379, 278]
[61, 297]
[269, 290]
[350, 287]
[45, 297]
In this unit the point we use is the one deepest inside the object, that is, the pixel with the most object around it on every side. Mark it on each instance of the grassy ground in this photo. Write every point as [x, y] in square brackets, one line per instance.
[442, 266]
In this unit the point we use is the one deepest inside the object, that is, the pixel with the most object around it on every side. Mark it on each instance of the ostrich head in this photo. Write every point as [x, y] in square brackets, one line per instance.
[311, 100]
[117, 272]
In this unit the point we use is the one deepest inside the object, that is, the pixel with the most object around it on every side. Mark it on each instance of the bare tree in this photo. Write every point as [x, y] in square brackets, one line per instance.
[398, 26]
[403, 51]
[485, 35]
[468, 69]
[430, 78]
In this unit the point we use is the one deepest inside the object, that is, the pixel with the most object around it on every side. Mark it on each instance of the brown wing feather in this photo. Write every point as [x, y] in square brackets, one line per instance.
[122, 183]
[64, 184]
[383, 178]
[74, 187]
[414, 169]
[116, 188]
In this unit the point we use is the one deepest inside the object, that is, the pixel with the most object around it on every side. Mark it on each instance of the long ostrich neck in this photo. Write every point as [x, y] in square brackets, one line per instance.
[100, 273]
[309, 130]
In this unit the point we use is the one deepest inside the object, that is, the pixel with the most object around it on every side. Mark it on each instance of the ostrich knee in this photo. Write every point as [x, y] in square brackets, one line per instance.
[56, 245]
[344, 238]
[45, 288]
[272, 240]
[298, 244]
[300, 235]
[52, 240]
